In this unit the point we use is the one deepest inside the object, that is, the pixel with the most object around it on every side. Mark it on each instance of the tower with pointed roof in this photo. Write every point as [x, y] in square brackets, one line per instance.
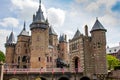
[98, 42]
[63, 48]
[22, 49]
[10, 49]
[39, 39]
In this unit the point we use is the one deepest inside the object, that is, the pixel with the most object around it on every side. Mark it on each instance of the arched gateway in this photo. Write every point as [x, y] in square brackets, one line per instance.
[85, 78]
[63, 78]
[13, 79]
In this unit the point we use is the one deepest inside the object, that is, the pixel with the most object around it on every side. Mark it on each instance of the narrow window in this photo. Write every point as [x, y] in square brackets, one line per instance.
[39, 59]
[50, 59]
[47, 59]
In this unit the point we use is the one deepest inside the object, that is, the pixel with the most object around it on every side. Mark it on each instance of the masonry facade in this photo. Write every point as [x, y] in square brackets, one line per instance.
[42, 48]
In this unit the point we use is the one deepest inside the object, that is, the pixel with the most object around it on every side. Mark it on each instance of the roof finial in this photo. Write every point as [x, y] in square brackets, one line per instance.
[39, 2]
[24, 25]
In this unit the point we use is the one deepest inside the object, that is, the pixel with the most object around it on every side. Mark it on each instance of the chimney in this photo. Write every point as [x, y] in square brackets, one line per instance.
[86, 30]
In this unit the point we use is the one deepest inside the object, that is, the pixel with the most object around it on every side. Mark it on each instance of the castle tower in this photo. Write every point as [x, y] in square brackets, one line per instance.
[63, 48]
[98, 35]
[10, 50]
[39, 40]
[53, 40]
[22, 49]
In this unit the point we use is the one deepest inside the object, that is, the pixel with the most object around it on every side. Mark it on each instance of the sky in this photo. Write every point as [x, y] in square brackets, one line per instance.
[65, 16]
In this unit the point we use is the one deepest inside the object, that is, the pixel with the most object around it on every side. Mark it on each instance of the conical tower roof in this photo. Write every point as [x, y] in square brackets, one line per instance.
[62, 38]
[77, 34]
[11, 39]
[24, 32]
[51, 31]
[39, 17]
[97, 26]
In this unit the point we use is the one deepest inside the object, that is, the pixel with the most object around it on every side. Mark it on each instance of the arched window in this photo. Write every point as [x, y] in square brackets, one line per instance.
[24, 59]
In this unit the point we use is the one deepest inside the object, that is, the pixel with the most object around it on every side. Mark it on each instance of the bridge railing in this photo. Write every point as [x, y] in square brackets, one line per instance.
[38, 70]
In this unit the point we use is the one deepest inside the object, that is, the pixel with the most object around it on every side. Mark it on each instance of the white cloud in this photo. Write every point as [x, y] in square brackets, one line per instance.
[81, 1]
[110, 20]
[3, 35]
[10, 21]
[92, 7]
[26, 8]
[56, 16]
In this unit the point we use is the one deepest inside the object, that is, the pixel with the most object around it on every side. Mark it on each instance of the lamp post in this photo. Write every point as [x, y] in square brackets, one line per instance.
[1, 70]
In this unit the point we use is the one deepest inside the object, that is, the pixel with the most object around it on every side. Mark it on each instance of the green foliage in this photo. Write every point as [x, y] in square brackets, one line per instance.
[112, 62]
[2, 56]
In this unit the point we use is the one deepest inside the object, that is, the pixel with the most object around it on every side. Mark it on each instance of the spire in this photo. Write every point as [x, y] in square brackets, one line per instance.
[11, 38]
[39, 2]
[51, 31]
[77, 34]
[39, 14]
[97, 26]
[39, 19]
[63, 38]
[24, 32]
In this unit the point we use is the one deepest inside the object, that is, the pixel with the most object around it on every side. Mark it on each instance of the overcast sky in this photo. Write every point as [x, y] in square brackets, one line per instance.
[66, 16]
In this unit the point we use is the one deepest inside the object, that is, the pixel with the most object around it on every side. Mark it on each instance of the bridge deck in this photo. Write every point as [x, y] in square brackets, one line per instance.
[39, 70]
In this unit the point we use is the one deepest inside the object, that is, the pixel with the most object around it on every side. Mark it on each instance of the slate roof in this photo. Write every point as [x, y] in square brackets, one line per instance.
[11, 39]
[51, 31]
[24, 32]
[77, 34]
[97, 26]
[62, 38]
[39, 17]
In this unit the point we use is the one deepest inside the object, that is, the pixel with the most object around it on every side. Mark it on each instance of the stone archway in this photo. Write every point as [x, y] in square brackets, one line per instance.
[85, 78]
[76, 63]
[63, 78]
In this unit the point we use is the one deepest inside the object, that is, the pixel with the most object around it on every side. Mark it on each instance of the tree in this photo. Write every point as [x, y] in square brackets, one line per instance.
[2, 56]
[112, 62]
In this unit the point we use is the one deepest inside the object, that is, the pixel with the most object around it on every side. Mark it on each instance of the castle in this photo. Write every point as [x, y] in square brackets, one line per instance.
[43, 49]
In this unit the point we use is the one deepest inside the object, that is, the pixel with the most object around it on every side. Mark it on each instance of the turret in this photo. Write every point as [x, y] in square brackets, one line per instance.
[63, 48]
[98, 35]
[10, 50]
